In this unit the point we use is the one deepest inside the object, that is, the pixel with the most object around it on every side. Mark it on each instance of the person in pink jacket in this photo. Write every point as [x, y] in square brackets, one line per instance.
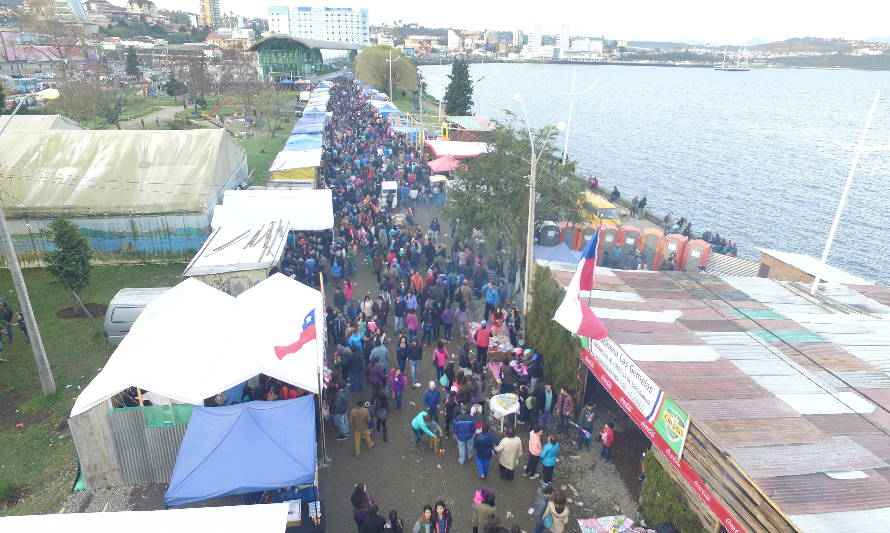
[534, 452]
[440, 356]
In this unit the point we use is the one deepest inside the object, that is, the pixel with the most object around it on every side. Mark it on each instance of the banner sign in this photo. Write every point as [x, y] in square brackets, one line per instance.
[627, 373]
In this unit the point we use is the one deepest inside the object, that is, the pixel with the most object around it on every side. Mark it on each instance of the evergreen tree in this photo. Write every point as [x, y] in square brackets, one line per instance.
[132, 63]
[2, 100]
[70, 261]
[554, 342]
[459, 95]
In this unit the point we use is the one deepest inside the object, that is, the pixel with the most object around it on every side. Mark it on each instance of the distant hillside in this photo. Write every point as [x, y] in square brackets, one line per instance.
[805, 45]
[660, 45]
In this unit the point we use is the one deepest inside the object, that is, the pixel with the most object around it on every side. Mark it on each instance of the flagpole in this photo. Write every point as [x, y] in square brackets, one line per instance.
[320, 341]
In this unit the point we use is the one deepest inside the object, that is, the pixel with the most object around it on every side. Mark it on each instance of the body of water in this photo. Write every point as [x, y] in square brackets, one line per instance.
[753, 155]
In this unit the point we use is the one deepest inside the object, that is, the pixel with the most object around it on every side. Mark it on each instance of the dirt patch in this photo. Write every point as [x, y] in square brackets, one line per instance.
[94, 309]
[12, 496]
[11, 413]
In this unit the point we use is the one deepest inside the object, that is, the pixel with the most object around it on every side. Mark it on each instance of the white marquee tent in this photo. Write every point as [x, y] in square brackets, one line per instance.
[232, 519]
[195, 341]
[306, 209]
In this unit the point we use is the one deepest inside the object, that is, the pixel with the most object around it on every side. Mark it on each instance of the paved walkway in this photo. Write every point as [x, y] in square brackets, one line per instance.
[165, 113]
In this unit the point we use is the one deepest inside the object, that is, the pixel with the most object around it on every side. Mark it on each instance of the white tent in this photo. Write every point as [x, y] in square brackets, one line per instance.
[240, 246]
[233, 519]
[195, 341]
[305, 209]
[457, 149]
[296, 159]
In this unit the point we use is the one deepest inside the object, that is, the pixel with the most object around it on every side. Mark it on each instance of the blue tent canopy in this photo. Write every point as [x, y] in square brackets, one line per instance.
[302, 141]
[286, 81]
[244, 448]
[308, 128]
[312, 119]
[323, 85]
[560, 253]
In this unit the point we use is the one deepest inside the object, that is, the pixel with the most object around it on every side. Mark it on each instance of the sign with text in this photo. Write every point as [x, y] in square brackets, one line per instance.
[672, 424]
[624, 372]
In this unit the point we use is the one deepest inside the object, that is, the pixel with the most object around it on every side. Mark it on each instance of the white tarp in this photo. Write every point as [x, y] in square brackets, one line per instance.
[457, 149]
[289, 160]
[232, 519]
[305, 209]
[195, 341]
[240, 246]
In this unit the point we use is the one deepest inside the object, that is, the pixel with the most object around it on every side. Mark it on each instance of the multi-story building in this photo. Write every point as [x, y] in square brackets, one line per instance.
[210, 13]
[518, 38]
[534, 41]
[339, 24]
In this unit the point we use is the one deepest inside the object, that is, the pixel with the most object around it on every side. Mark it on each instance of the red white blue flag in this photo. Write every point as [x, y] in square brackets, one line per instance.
[307, 334]
[573, 314]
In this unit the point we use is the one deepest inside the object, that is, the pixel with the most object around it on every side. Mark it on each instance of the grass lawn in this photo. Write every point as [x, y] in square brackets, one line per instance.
[36, 457]
[261, 151]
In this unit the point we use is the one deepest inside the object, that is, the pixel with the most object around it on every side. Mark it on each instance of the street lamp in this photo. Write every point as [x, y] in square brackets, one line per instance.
[392, 97]
[530, 230]
[572, 96]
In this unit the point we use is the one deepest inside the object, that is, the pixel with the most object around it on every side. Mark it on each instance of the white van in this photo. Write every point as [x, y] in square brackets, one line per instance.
[123, 310]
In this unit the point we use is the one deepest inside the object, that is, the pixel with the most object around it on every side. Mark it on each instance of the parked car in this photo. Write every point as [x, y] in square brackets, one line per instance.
[125, 308]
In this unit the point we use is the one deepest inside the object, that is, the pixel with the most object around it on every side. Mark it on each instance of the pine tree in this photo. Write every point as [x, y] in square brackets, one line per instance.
[70, 261]
[132, 63]
[554, 342]
[459, 95]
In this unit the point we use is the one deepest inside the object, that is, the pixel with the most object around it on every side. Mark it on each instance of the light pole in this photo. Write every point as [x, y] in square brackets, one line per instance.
[530, 230]
[572, 95]
[18, 280]
[392, 97]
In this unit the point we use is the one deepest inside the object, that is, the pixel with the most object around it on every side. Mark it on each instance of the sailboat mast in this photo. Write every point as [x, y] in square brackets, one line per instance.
[724, 57]
[738, 63]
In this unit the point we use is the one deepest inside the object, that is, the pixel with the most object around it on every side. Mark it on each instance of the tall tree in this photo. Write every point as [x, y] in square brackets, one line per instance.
[87, 100]
[372, 65]
[132, 63]
[558, 346]
[239, 75]
[491, 194]
[459, 94]
[70, 261]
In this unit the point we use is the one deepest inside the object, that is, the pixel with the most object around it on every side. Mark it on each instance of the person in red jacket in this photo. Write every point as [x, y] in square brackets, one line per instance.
[607, 436]
[483, 339]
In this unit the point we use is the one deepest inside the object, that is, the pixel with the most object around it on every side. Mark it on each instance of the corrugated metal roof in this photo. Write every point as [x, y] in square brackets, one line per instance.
[782, 397]
[727, 265]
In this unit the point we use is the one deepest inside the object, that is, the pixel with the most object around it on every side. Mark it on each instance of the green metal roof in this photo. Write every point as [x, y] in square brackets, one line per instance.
[471, 123]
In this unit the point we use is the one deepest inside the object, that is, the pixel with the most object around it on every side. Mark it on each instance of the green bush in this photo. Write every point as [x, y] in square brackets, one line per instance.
[10, 491]
[662, 501]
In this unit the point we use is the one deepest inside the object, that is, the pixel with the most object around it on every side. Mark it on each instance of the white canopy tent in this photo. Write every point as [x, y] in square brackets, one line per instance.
[457, 149]
[232, 519]
[305, 209]
[296, 159]
[195, 341]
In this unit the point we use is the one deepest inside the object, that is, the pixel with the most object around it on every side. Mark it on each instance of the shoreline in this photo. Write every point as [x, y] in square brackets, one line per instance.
[419, 63]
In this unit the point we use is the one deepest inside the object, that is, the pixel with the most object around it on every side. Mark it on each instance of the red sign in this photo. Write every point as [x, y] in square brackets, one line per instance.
[680, 465]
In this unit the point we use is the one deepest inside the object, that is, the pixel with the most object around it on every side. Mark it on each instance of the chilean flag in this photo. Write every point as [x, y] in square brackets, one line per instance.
[306, 335]
[573, 314]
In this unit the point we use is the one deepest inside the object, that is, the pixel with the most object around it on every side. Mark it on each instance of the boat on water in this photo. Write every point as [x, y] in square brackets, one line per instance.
[738, 65]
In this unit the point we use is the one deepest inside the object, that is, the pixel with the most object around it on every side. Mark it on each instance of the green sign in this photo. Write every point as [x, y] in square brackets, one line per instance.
[672, 424]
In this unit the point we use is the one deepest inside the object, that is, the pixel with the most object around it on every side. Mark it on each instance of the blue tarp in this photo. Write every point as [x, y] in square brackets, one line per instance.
[302, 141]
[323, 85]
[244, 448]
[560, 253]
[308, 128]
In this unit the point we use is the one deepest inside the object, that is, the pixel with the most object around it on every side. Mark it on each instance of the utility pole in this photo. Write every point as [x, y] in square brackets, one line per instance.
[392, 97]
[572, 95]
[21, 291]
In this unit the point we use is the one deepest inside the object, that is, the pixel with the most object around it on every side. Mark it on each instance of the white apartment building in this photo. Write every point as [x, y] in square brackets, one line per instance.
[340, 24]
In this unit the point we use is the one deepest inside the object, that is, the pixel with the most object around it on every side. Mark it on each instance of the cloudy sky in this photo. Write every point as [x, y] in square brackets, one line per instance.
[684, 20]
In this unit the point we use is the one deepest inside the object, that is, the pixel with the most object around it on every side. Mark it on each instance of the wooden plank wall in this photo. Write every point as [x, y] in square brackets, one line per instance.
[740, 495]
[95, 447]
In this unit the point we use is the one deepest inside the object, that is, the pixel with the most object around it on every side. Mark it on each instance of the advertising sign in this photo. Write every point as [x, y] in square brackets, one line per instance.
[672, 424]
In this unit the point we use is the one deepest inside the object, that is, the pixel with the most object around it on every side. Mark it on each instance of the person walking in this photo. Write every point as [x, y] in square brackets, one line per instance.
[361, 501]
[492, 299]
[375, 377]
[549, 453]
[397, 382]
[464, 431]
[565, 408]
[484, 446]
[534, 452]
[424, 523]
[360, 419]
[483, 339]
[462, 317]
[395, 524]
[556, 515]
[607, 436]
[448, 316]
[442, 519]
[440, 357]
[421, 425]
[373, 523]
[545, 401]
[542, 498]
[431, 399]
[415, 354]
[585, 425]
[484, 513]
[381, 409]
[341, 411]
[509, 451]
[402, 353]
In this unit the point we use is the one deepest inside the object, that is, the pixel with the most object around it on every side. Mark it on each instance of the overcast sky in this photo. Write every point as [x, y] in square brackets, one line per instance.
[661, 20]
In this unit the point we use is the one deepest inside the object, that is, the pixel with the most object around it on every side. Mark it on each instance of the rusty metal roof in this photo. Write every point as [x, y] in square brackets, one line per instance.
[800, 391]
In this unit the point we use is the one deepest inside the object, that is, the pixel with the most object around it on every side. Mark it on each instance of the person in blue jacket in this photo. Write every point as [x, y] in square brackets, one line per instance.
[548, 458]
[492, 298]
[464, 431]
[420, 425]
[431, 399]
[484, 446]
